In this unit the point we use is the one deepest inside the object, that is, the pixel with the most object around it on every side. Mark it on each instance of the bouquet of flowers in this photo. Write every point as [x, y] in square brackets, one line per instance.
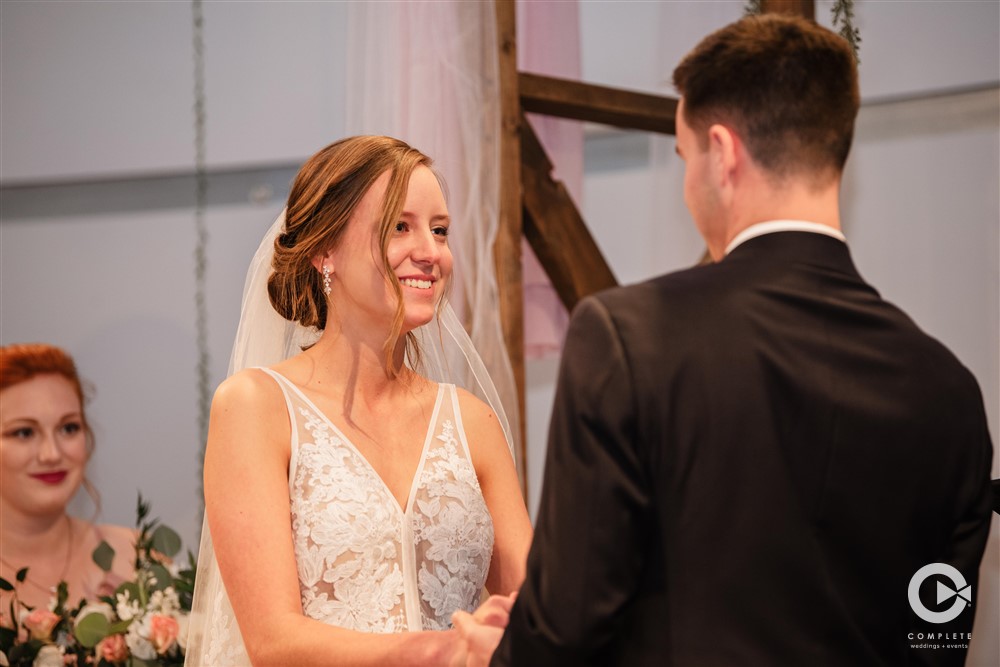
[143, 625]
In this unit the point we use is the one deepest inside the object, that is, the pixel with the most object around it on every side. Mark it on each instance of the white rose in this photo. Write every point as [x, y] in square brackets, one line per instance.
[48, 656]
[138, 645]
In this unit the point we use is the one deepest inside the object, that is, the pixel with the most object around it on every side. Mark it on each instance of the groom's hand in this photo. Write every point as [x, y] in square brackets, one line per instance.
[482, 630]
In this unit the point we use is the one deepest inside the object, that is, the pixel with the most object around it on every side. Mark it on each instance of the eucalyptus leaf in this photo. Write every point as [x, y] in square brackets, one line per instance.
[130, 588]
[166, 541]
[183, 586]
[104, 555]
[21, 575]
[120, 627]
[5, 585]
[91, 629]
[162, 576]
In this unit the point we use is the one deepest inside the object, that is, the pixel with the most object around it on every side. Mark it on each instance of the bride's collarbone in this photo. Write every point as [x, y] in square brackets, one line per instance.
[386, 428]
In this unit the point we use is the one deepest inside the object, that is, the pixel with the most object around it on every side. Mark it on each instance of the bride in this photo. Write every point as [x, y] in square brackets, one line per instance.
[353, 503]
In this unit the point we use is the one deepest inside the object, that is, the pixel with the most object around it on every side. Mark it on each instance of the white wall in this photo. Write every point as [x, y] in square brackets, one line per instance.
[96, 219]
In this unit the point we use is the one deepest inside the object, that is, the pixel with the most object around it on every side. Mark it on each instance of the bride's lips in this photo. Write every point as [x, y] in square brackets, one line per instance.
[51, 477]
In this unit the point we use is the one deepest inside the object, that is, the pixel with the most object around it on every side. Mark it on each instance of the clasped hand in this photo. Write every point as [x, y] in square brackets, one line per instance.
[481, 630]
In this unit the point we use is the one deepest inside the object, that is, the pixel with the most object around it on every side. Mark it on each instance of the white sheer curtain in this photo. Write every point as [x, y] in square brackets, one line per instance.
[426, 73]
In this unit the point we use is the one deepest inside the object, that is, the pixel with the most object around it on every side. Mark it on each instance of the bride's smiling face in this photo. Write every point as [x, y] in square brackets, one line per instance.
[417, 252]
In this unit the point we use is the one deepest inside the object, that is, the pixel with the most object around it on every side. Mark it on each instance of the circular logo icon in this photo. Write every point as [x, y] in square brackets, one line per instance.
[960, 590]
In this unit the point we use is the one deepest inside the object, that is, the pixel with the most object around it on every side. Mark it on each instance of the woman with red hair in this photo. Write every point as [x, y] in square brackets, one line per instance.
[45, 444]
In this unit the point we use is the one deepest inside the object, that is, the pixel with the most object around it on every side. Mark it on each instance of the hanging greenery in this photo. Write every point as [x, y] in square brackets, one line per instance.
[843, 21]
[201, 236]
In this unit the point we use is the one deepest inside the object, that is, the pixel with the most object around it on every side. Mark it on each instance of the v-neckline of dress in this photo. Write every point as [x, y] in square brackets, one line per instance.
[347, 441]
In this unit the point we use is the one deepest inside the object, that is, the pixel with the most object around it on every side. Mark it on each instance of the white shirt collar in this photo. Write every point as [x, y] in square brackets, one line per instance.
[771, 226]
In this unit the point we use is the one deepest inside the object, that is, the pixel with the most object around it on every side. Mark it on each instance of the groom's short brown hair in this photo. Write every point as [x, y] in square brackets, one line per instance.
[786, 86]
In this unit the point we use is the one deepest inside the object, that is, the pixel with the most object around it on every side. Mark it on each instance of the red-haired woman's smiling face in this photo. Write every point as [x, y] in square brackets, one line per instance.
[43, 445]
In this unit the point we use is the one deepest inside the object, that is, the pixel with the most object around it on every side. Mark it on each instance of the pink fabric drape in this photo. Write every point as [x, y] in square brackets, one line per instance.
[548, 42]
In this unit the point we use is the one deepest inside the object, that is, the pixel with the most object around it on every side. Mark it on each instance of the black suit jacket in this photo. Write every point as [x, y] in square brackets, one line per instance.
[747, 463]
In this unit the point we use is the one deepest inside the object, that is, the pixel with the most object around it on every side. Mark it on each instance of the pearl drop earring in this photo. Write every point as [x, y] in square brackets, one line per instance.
[326, 280]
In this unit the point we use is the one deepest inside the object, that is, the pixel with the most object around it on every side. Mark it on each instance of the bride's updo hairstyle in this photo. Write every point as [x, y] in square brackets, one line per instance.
[324, 195]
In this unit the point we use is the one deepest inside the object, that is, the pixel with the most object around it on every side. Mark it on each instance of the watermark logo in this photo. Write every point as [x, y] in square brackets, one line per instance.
[960, 590]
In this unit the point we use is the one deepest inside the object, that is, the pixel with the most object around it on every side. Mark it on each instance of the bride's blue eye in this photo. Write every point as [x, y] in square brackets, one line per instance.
[400, 226]
[440, 231]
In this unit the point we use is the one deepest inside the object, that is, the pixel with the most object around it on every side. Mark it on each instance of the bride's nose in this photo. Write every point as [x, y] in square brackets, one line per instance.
[426, 249]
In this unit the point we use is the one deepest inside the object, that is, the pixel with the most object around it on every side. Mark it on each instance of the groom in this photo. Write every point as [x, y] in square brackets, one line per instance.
[751, 462]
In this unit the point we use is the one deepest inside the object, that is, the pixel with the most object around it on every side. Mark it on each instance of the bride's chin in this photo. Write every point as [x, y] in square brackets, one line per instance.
[413, 320]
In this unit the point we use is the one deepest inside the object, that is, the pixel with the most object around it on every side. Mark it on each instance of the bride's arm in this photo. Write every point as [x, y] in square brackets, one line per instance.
[248, 508]
[502, 493]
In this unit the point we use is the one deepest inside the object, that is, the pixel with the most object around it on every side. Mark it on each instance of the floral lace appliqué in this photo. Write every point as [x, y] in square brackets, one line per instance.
[453, 532]
[358, 568]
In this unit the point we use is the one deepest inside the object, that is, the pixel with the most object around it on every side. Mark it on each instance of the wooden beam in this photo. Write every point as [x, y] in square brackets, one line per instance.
[598, 104]
[806, 8]
[556, 230]
[507, 247]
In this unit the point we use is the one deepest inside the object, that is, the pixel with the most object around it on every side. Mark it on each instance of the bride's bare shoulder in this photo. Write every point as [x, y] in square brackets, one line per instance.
[250, 388]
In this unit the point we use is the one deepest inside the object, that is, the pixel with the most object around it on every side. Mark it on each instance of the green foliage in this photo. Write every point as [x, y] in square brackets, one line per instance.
[160, 578]
[104, 556]
[166, 541]
[843, 20]
[91, 629]
[78, 636]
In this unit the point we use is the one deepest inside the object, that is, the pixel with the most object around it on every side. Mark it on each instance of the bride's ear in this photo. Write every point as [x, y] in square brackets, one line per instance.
[323, 260]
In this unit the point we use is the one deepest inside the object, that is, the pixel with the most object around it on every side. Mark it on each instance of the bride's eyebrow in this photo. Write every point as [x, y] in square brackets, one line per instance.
[441, 217]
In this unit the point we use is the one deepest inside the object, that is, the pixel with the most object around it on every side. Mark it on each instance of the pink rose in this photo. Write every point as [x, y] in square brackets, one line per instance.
[112, 648]
[40, 623]
[163, 631]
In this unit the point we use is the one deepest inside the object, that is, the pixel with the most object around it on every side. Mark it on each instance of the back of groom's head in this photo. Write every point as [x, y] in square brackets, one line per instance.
[786, 86]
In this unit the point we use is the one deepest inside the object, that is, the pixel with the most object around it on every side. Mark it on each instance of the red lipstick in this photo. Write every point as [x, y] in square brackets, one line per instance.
[51, 477]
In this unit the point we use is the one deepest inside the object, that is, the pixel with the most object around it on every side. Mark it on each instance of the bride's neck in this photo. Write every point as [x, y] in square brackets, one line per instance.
[356, 359]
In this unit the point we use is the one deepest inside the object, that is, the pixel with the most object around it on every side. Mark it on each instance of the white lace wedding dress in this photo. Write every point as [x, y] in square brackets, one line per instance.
[364, 562]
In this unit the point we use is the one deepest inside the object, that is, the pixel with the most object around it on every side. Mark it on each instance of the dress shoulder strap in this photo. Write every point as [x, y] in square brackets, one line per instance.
[451, 410]
[292, 396]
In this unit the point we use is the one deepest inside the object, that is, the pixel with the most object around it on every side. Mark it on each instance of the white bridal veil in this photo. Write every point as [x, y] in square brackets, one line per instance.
[264, 338]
